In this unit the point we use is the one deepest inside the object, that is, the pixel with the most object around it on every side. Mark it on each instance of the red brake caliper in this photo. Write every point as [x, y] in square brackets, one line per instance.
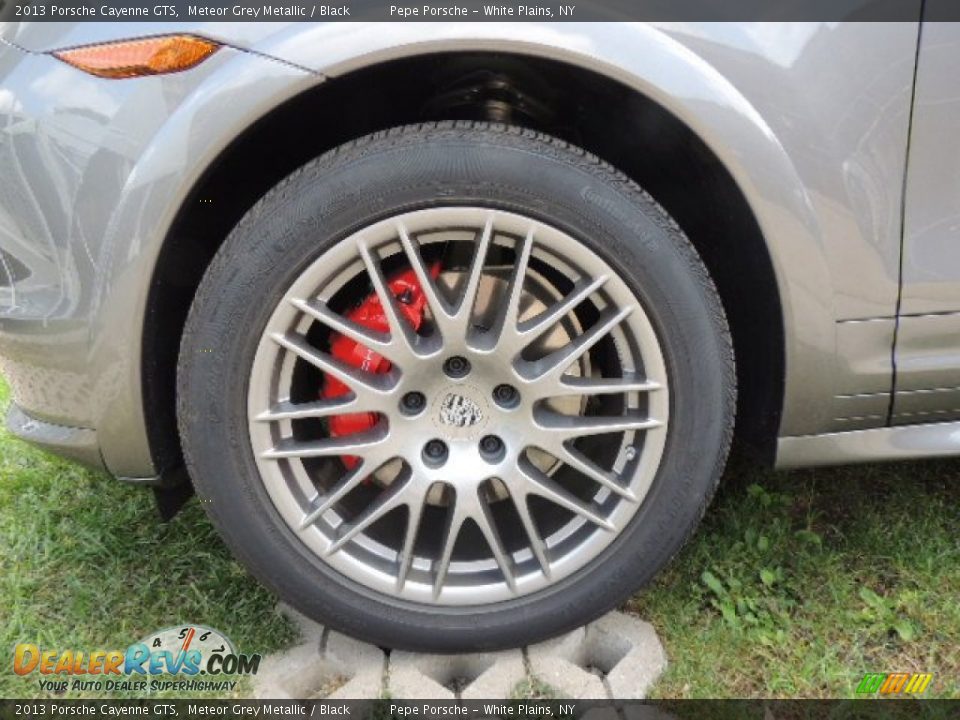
[369, 314]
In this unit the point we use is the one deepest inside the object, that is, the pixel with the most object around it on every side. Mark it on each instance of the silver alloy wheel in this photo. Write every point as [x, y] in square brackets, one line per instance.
[479, 522]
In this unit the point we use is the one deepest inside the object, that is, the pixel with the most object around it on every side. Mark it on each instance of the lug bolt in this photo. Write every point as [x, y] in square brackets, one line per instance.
[413, 402]
[456, 366]
[506, 396]
[435, 452]
[491, 447]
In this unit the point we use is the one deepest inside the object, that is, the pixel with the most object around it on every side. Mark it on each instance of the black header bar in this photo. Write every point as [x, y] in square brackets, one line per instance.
[476, 10]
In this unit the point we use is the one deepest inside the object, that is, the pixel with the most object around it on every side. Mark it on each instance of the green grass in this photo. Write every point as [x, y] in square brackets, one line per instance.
[798, 583]
[533, 689]
[794, 586]
[87, 564]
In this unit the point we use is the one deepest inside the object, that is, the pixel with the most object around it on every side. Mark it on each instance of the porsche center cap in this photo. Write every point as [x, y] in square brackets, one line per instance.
[460, 412]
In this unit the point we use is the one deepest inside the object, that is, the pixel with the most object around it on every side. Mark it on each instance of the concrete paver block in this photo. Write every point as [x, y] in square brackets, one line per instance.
[473, 675]
[619, 648]
[354, 655]
[361, 662]
[505, 670]
[295, 673]
[334, 666]
[618, 656]
[566, 645]
[359, 687]
[560, 663]
[407, 679]
[567, 678]
[641, 661]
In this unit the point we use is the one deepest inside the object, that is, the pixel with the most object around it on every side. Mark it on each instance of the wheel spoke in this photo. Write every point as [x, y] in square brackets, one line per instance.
[405, 558]
[537, 546]
[287, 410]
[487, 525]
[347, 483]
[443, 314]
[388, 501]
[358, 444]
[573, 385]
[573, 426]
[357, 380]
[514, 293]
[455, 520]
[534, 327]
[400, 330]
[563, 452]
[557, 362]
[464, 311]
[504, 333]
[539, 483]
[321, 312]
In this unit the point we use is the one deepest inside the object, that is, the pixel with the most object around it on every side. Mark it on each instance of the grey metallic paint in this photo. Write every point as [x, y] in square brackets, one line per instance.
[928, 337]
[97, 180]
[931, 257]
[910, 442]
[810, 119]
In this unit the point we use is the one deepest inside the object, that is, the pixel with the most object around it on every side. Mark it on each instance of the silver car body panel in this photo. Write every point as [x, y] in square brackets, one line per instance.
[907, 442]
[810, 119]
[97, 173]
[75, 443]
[928, 338]
[931, 263]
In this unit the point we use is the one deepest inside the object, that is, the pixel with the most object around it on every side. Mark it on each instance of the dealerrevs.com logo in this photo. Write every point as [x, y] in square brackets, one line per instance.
[187, 651]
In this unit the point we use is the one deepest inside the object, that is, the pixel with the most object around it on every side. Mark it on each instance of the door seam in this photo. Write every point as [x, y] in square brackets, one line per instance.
[903, 218]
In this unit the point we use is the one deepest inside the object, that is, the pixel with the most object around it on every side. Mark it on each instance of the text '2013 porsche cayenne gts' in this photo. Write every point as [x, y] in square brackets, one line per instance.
[452, 326]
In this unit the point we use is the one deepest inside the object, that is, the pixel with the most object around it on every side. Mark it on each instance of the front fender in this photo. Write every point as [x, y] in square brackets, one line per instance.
[231, 98]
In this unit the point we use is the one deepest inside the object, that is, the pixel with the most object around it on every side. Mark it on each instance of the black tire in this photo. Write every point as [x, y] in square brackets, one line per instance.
[422, 166]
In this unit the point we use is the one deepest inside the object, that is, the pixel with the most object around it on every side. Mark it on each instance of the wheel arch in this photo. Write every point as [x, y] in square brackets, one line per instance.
[749, 216]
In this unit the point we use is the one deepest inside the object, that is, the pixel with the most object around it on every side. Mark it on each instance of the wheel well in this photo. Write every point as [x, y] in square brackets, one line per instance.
[589, 110]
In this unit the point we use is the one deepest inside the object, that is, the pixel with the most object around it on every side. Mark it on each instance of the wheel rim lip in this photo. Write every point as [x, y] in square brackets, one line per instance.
[287, 481]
